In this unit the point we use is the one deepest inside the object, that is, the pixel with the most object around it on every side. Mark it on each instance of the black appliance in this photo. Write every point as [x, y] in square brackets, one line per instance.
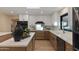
[18, 33]
[76, 28]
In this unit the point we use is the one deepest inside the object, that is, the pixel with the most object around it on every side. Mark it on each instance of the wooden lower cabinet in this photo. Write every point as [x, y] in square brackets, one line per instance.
[46, 35]
[39, 35]
[42, 35]
[33, 42]
[53, 41]
[31, 45]
[59, 44]
[68, 47]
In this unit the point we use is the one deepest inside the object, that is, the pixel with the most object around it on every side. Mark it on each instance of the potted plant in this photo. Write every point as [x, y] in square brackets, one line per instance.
[26, 33]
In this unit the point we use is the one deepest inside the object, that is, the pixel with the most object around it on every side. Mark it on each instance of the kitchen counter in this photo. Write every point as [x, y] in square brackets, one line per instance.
[38, 30]
[23, 43]
[4, 33]
[67, 36]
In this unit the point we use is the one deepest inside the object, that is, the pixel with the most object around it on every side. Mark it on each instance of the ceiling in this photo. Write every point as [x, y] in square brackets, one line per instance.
[31, 11]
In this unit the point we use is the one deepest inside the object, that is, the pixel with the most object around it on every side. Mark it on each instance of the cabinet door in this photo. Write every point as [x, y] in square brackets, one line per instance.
[30, 47]
[47, 35]
[33, 43]
[40, 35]
[53, 41]
[68, 47]
[60, 44]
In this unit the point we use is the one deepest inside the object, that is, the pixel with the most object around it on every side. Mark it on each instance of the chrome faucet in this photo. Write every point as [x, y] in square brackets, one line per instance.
[63, 30]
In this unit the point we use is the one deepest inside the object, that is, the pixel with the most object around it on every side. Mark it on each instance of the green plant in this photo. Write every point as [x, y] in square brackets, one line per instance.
[27, 30]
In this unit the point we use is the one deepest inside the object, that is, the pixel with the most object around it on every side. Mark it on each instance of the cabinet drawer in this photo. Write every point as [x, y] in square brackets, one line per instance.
[40, 35]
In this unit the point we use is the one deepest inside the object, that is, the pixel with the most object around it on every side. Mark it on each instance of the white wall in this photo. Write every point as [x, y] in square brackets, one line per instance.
[5, 23]
[46, 19]
[56, 16]
[33, 19]
[70, 17]
[23, 17]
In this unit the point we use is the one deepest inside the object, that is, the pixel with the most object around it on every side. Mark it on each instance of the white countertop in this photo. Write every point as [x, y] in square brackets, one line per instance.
[67, 36]
[23, 43]
[4, 33]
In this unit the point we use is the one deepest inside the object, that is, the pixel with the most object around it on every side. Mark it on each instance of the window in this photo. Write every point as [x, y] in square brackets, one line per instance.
[39, 25]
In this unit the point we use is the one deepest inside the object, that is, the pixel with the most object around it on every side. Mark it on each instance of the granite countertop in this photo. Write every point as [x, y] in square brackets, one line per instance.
[4, 33]
[67, 36]
[23, 43]
[38, 30]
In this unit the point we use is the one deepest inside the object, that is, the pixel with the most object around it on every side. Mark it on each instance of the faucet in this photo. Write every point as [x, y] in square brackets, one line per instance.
[63, 30]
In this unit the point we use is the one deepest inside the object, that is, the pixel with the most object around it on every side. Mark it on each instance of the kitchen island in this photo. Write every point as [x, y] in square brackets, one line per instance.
[23, 45]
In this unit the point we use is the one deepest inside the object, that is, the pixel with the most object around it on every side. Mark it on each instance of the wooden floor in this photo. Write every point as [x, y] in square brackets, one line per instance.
[43, 45]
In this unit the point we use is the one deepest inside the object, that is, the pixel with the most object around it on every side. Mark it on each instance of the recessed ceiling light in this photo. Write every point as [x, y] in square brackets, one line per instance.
[11, 12]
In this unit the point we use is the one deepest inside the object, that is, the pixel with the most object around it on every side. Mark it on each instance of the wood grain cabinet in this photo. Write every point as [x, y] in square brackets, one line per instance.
[31, 45]
[46, 35]
[40, 35]
[68, 47]
[60, 44]
[53, 41]
[57, 43]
